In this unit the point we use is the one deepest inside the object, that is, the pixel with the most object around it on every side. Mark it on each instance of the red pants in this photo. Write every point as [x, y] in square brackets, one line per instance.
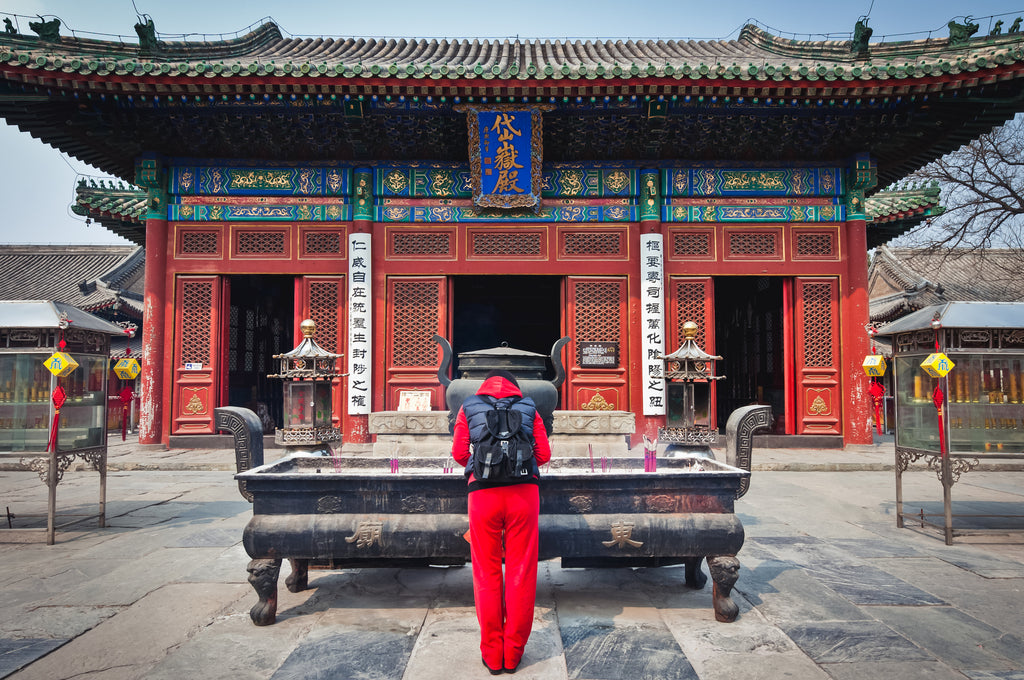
[504, 607]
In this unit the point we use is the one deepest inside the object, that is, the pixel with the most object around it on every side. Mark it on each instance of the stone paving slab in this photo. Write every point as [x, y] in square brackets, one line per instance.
[828, 588]
[20, 652]
[128, 644]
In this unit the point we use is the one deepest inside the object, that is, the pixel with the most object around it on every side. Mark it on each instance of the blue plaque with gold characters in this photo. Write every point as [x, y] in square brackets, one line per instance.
[505, 155]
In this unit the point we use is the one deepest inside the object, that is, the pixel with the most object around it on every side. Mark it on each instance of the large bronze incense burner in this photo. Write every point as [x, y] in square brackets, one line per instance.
[305, 509]
[365, 511]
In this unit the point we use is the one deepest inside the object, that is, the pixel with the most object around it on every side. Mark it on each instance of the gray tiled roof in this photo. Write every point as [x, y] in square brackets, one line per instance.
[754, 55]
[88, 277]
[928, 278]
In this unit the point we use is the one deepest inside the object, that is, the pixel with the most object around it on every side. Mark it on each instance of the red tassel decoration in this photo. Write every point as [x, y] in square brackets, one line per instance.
[59, 397]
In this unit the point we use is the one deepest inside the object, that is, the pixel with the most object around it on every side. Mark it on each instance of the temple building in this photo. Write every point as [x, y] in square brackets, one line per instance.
[509, 191]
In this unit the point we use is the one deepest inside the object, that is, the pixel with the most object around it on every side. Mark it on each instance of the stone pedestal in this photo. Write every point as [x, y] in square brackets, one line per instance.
[577, 434]
[423, 434]
[419, 434]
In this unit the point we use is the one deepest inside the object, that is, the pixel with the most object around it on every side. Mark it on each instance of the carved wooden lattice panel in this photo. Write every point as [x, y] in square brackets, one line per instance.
[687, 243]
[747, 244]
[196, 301]
[817, 355]
[815, 245]
[422, 244]
[322, 242]
[199, 243]
[692, 299]
[817, 330]
[323, 301]
[502, 244]
[593, 243]
[261, 243]
[597, 313]
[416, 313]
[693, 302]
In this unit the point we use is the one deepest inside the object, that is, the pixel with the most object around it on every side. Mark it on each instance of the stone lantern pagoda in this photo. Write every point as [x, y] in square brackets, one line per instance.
[689, 371]
[307, 371]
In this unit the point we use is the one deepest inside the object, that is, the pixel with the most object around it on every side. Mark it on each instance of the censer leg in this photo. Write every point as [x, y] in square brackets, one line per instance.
[263, 579]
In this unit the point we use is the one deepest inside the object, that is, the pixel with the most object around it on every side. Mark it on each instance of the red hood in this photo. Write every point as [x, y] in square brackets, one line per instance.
[498, 388]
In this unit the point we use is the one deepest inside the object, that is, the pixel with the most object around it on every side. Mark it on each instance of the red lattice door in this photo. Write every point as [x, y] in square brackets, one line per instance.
[418, 311]
[692, 298]
[323, 301]
[197, 353]
[596, 319]
[819, 403]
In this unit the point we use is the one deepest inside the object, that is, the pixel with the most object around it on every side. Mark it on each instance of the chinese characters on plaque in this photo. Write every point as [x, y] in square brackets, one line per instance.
[359, 327]
[505, 156]
[504, 152]
[652, 318]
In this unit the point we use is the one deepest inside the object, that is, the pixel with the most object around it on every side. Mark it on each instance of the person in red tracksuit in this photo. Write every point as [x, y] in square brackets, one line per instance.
[503, 521]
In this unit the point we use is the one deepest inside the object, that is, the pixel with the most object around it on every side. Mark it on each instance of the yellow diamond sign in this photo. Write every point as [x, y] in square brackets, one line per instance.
[937, 365]
[60, 364]
[874, 365]
[127, 368]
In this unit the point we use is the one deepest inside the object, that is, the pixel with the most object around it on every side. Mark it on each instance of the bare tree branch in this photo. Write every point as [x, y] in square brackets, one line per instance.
[983, 192]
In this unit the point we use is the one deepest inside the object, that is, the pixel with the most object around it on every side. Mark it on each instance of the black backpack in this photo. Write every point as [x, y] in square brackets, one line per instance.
[504, 452]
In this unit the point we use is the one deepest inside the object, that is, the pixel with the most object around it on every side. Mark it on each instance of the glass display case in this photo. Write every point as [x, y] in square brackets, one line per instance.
[981, 400]
[30, 332]
[26, 407]
[984, 411]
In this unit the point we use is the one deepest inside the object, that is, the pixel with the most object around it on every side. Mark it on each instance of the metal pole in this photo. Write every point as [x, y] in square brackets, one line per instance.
[899, 492]
[51, 506]
[947, 496]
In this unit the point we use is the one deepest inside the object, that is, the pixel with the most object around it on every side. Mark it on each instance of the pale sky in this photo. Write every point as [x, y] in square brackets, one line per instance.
[37, 182]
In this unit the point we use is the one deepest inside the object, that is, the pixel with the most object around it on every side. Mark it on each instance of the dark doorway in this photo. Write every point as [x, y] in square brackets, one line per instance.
[261, 319]
[523, 311]
[748, 336]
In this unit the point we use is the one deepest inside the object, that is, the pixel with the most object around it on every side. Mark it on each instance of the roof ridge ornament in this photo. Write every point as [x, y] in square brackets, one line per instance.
[960, 34]
[146, 31]
[861, 35]
[48, 31]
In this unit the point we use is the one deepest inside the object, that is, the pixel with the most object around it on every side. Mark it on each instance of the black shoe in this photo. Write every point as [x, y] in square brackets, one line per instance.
[513, 669]
[491, 670]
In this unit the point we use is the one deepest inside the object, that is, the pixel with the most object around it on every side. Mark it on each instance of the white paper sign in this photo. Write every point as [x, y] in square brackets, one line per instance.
[652, 318]
[360, 306]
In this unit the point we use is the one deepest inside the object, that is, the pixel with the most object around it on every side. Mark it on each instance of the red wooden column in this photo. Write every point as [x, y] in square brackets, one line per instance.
[649, 201]
[855, 343]
[854, 305]
[149, 173]
[357, 425]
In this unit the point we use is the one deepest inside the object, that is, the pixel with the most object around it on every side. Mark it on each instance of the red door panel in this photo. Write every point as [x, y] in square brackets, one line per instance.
[418, 311]
[597, 312]
[816, 330]
[197, 353]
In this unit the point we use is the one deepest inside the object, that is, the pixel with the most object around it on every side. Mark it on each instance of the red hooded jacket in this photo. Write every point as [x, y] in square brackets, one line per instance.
[498, 388]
